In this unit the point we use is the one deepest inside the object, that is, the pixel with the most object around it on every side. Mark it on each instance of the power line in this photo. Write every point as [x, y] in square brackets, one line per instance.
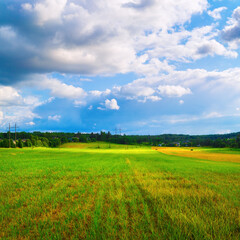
[9, 134]
[118, 131]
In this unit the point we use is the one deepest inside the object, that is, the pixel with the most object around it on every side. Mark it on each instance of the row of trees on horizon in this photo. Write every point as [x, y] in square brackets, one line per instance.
[55, 139]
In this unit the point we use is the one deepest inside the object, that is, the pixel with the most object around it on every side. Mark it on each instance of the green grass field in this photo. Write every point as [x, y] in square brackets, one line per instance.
[91, 191]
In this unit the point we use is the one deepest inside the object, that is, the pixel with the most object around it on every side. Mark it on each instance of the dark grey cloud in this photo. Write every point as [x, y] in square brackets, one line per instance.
[232, 32]
[141, 5]
[25, 45]
[204, 49]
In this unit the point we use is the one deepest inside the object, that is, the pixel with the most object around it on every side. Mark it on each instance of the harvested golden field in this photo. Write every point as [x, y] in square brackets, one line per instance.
[199, 153]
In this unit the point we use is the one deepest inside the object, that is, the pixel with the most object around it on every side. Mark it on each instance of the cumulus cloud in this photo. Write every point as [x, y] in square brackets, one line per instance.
[79, 103]
[30, 123]
[216, 13]
[232, 31]
[191, 83]
[150, 98]
[154, 98]
[150, 89]
[133, 90]
[173, 91]
[17, 114]
[47, 10]
[52, 35]
[57, 88]
[63, 90]
[213, 47]
[54, 118]
[10, 97]
[12, 101]
[150, 39]
[16, 108]
[111, 104]
[140, 4]
[97, 93]
[185, 46]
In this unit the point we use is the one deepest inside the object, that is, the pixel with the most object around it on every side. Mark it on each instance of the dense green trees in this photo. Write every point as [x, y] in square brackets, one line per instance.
[20, 143]
[55, 139]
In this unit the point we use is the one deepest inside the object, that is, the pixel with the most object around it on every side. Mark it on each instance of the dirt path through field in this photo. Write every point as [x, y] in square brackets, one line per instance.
[199, 154]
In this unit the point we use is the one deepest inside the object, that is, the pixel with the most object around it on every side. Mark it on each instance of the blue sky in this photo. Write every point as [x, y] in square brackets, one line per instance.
[145, 66]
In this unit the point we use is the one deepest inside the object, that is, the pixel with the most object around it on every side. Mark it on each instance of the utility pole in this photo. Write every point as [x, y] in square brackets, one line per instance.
[15, 133]
[9, 136]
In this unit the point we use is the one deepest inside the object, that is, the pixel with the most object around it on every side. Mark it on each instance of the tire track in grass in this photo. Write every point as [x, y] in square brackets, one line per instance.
[146, 203]
[100, 227]
[184, 204]
[113, 227]
[125, 206]
[159, 224]
[94, 230]
[108, 222]
[78, 201]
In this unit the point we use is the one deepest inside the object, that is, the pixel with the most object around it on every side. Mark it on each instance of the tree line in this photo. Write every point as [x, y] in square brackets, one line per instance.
[55, 139]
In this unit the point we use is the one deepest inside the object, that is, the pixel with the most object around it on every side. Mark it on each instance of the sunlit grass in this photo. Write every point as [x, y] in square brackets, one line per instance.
[222, 155]
[116, 193]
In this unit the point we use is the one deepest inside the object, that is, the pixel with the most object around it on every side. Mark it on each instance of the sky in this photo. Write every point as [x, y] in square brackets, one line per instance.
[142, 66]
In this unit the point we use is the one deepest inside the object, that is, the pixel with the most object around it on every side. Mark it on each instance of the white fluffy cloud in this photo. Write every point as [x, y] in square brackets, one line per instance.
[185, 46]
[132, 90]
[17, 114]
[10, 97]
[149, 38]
[56, 87]
[16, 108]
[173, 91]
[97, 93]
[76, 37]
[150, 89]
[46, 10]
[216, 13]
[62, 90]
[54, 118]
[30, 123]
[111, 104]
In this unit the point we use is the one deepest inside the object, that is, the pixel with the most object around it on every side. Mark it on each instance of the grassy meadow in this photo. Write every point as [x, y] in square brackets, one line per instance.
[97, 191]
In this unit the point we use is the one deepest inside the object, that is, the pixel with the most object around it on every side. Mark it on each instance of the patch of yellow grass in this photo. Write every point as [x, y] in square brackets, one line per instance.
[197, 153]
[74, 145]
[128, 161]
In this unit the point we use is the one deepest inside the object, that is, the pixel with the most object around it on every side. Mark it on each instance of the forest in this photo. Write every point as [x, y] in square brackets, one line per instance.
[55, 139]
